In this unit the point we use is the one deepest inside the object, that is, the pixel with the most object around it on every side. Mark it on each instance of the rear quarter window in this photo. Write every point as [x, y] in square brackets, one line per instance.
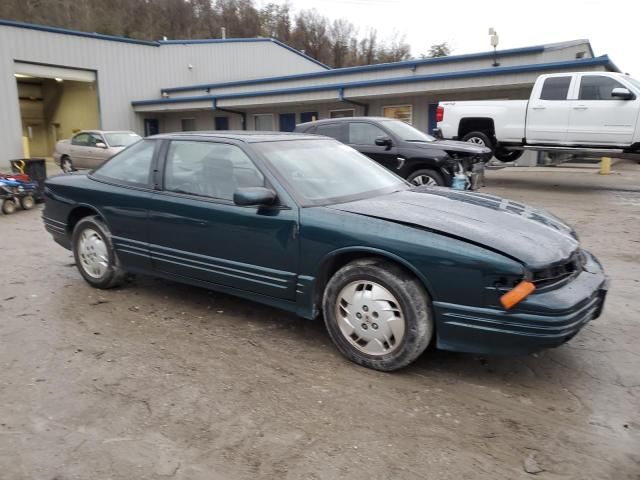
[555, 88]
[333, 130]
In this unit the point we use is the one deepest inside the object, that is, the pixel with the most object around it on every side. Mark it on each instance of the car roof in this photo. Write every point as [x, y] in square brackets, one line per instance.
[239, 135]
[345, 119]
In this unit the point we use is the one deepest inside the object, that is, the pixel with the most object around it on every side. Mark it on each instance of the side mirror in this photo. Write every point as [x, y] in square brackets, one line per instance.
[254, 196]
[383, 142]
[622, 94]
[101, 145]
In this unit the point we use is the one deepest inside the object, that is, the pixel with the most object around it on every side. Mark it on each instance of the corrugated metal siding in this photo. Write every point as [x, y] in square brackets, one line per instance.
[128, 71]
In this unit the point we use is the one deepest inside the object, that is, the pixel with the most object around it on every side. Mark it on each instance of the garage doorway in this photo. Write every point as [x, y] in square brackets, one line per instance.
[55, 102]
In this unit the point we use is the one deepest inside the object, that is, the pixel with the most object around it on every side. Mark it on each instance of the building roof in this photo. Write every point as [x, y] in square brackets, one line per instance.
[387, 66]
[153, 43]
[340, 86]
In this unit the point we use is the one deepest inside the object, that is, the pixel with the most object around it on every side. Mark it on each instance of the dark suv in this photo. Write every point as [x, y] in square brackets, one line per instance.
[410, 153]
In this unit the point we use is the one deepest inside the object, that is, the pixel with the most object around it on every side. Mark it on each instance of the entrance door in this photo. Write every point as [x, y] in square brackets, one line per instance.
[151, 127]
[222, 123]
[308, 117]
[197, 231]
[287, 122]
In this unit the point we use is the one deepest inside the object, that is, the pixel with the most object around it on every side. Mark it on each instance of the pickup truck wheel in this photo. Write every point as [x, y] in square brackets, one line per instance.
[479, 138]
[426, 177]
[508, 155]
[66, 164]
[377, 315]
[94, 254]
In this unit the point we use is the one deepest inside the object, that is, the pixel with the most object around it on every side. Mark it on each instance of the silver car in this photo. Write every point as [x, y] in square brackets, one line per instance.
[90, 148]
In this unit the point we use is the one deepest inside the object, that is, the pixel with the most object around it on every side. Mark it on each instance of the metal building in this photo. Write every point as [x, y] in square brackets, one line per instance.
[56, 81]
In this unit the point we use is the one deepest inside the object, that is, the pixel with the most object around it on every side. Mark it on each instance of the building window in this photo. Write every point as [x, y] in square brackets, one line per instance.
[342, 113]
[264, 122]
[188, 124]
[399, 112]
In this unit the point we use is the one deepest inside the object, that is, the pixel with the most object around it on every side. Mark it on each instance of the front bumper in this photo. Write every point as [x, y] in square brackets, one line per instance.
[544, 320]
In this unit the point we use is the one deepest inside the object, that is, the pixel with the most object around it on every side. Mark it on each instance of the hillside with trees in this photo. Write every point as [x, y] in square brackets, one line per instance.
[337, 43]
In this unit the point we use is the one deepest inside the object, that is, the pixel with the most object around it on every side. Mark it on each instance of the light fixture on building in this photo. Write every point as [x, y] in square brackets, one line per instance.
[493, 36]
[190, 67]
[21, 75]
[59, 80]
[165, 95]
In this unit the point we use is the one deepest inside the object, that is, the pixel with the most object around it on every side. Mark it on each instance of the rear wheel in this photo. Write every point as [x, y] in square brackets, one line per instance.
[66, 164]
[377, 315]
[8, 206]
[479, 138]
[27, 203]
[426, 177]
[94, 254]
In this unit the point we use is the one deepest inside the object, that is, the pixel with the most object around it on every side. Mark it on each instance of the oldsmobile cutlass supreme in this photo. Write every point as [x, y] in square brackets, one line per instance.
[309, 225]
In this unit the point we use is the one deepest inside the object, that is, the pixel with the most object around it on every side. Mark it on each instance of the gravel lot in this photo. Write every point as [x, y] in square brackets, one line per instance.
[160, 380]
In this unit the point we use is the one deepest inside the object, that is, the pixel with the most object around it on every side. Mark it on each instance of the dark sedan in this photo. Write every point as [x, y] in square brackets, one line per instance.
[290, 220]
[406, 151]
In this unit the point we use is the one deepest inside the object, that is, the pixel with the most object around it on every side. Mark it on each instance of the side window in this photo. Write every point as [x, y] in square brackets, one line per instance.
[209, 169]
[93, 139]
[333, 130]
[597, 87]
[82, 140]
[555, 88]
[361, 133]
[132, 165]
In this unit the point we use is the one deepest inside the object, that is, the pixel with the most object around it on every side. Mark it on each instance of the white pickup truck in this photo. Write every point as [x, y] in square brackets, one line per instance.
[575, 111]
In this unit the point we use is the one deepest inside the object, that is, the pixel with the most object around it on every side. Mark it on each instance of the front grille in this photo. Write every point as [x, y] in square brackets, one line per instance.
[559, 272]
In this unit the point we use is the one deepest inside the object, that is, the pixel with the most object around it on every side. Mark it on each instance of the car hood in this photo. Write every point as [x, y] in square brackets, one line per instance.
[452, 146]
[530, 235]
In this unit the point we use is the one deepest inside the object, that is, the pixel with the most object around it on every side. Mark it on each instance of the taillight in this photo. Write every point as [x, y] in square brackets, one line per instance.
[440, 113]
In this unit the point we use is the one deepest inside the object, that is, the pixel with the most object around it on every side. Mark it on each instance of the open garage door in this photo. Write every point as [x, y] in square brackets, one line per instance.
[55, 102]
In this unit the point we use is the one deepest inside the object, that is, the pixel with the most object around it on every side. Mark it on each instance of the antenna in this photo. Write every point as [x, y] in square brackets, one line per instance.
[494, 39]
[223, 32]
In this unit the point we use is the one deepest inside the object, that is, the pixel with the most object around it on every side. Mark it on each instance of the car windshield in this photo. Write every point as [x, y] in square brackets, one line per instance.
[406, 132]
[323, 172]
[121, 139]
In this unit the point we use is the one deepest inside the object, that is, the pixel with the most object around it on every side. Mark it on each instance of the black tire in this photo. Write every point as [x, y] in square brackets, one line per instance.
[8, 206]
[414, 306]
[113, 274]
[417, 178]
[480, 138]
[66, 165]
[28, 202]
[507, 155]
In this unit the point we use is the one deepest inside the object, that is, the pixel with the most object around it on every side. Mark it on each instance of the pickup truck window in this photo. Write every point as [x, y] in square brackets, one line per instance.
[597, 87]
[555, 88]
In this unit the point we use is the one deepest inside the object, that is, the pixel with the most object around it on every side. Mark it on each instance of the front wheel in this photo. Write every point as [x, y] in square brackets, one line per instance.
[8, 206]
[27, 203]
[94, 254]
[426, 177]
[377, 315]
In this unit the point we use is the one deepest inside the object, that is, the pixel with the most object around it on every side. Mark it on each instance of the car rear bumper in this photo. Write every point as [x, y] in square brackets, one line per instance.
[543, 320]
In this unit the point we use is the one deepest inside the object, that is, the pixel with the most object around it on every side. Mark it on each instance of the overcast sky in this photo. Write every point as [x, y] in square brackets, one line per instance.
[611, 26]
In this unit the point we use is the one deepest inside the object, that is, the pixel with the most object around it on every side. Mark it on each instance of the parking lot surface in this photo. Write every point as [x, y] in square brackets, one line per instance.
[161, 380]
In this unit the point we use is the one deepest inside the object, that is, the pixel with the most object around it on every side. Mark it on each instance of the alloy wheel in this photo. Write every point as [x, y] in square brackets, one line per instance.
[93, 253]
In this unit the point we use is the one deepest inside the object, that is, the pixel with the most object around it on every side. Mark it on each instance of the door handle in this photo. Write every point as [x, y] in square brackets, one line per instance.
[580, 107]
[539, 107]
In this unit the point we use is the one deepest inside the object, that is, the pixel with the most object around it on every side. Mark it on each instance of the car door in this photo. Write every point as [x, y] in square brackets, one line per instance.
[78, 150]
[548, 110]
[196, 231]
[597, 117]
[362, 136]
[96, 155]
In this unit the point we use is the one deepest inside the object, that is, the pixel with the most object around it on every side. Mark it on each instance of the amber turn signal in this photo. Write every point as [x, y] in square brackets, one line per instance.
[517, 294]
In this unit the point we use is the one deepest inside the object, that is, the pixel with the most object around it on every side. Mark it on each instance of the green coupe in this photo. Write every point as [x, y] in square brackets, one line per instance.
[309, 225]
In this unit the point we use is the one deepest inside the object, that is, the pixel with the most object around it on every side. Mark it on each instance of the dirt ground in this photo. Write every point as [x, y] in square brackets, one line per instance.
[160, 380]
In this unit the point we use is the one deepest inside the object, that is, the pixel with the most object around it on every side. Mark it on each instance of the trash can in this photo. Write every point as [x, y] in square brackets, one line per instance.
[36, 168]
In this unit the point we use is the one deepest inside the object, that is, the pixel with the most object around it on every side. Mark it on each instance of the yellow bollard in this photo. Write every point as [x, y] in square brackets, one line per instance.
[605, 166]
